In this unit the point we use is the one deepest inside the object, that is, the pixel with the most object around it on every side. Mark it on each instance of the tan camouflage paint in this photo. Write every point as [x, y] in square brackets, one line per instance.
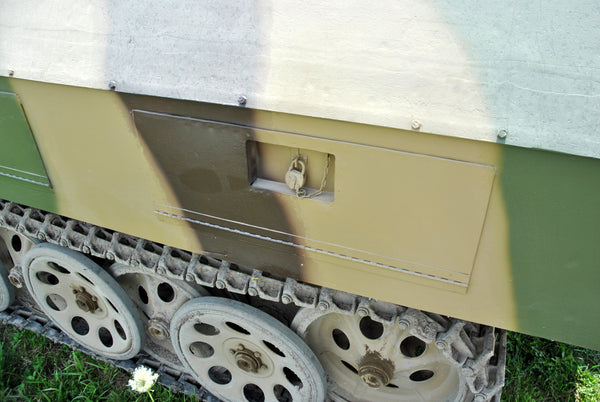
[102, 175]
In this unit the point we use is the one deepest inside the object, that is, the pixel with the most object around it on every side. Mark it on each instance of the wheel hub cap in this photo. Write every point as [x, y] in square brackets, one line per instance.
[247, 360]
[85, 301]
[375, 371]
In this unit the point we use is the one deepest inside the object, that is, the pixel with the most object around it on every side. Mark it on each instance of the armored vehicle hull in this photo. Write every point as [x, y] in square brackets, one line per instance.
[381, 203]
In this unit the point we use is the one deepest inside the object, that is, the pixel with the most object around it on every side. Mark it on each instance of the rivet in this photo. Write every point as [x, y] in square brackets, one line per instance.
[415, 124]
[286, 299]
[323, 305]
[242, 100]
[503, 133]
[220, 284]
[252, 292]
[112, 85]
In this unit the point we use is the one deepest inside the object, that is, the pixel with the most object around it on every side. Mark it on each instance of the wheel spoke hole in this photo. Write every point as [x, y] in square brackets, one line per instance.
[371, 329]
[282, 394]
[165, 292]
[85, 278]
[201, 349]
[58, 268]
[56, 302]
[219, 375]
[112, 305]
[253, 393]
[412, 347]
[340, 339]
[105, 337]
[206, 329]
[47, 278]
[120, 330]
[80, 325]
[15, 243]
[292, 377]
[421, 375]
[349, 367]
[273, 348]
[143, 294]
[237, 328]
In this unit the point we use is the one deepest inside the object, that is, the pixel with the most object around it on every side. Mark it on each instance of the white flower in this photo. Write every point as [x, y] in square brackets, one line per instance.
[143, 379]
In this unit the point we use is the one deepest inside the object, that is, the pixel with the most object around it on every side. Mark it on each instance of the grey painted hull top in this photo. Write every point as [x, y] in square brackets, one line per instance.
[464, 69]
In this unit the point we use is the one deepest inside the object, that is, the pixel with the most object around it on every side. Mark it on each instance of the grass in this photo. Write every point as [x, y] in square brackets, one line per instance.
[541, 370]
[33, 368]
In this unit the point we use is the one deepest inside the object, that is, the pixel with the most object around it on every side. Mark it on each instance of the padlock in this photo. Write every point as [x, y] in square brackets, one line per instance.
[296, 175]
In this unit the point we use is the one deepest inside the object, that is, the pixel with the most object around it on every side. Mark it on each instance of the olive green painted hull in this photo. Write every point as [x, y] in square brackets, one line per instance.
[480, 231]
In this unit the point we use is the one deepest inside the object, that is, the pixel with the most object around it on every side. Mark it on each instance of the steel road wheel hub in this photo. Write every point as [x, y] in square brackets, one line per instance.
[248, 360]
[375, 371]
[85, 301]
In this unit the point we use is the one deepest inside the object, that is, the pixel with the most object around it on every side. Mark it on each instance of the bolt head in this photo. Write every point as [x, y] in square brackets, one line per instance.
[220, 284]
[415, 124]
[362, 311]
[242, 100]
[112, 85]
[503, 133]
[286, 299]
[441, 345]
[16, 281]
[403, 324]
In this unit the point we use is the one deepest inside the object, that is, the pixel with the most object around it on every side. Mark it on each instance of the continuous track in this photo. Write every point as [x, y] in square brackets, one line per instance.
[478, 351]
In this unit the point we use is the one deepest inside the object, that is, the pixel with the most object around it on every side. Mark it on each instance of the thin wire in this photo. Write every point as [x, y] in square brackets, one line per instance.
[301, 192]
